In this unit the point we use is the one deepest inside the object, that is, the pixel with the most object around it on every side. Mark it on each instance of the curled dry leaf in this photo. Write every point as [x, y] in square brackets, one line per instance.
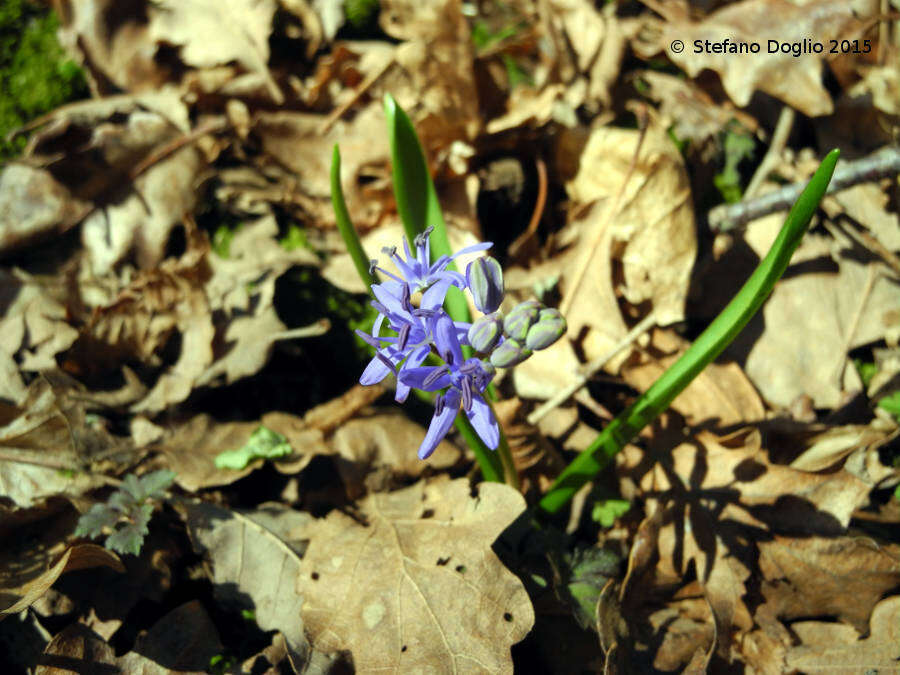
[35, 554]
[184, 640]
[417, 584]
[796, 80]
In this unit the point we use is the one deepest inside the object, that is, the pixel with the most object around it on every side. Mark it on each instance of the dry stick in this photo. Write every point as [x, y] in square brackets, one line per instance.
[773, 154]
[338, 112]
[882, 164]
[159, 154]
[586, 259]
[588, 371]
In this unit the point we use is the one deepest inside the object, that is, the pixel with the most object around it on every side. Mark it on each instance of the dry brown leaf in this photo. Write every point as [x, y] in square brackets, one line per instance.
[841, 577]
[691, 112]
[802, 351]
[717, 494]
[796, 80]
[390, 439]
[837, 649]
[435, 83]
[33, 203]
[417, 585]
[251, 562]
[721, 393]
[44, 444]
[143, 221]
[184, 640]
[651, 234]
[210, 34]
[33, 330]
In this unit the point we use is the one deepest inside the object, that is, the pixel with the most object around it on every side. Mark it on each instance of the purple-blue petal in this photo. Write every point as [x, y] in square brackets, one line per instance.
[376, 371]
[415, 377]
[440, 424]
[484, 422]
[434, 296]
[446, 341]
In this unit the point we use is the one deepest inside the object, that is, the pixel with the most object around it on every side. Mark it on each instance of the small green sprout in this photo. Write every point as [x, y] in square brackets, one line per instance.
[125, 516]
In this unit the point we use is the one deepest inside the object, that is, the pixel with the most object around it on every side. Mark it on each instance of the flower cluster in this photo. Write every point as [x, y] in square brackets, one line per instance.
[412, 306]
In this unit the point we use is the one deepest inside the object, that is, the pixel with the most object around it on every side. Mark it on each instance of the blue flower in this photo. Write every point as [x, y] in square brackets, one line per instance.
[421, 274]
[465, 381]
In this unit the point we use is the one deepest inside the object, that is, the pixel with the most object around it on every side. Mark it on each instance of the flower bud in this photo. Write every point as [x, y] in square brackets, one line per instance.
[485, 332]
[550, 326]
[520, 319]
[484, 276]
[509, 353]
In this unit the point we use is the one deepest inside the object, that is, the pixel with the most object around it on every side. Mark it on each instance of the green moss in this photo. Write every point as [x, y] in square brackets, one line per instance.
[36, 76]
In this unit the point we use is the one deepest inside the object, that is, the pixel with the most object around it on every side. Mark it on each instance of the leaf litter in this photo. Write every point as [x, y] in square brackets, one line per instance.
[174, 291]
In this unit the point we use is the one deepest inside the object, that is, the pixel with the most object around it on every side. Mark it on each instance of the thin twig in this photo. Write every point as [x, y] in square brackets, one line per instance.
[163, 151]
[588, 371]
[882, 164]
[372, 78]
[773, 154]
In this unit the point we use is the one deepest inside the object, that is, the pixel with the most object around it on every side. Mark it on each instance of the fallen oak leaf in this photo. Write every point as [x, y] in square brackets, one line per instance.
[417, 584]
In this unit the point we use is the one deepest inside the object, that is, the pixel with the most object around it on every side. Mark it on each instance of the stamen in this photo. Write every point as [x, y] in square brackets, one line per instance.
[433, 376]
[404, 298]
[422, 238]
[369, 339]
[386, 361]
[385, 272]
[389, 251]
[404, 336]
[467, 394]
[438, 404]
[373, 265]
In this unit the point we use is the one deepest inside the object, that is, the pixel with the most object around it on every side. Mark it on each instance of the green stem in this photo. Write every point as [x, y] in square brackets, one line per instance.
[717, 336]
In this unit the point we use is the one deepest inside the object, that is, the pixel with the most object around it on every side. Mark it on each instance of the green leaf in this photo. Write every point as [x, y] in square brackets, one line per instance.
[155, 483]
[866, 369]
[591, 569]
[345, 225]
[606, 511]
[294, 239]
[221, 241]
[131, 486]
[891, 403]
[717, 336]
[130, 537]
[739, 146]
[92, 522]
[262, 444]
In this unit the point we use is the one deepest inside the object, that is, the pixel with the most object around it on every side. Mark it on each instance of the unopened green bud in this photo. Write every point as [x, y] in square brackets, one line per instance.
[520, 319]
[549, 327]
[485, 332]
[484, 277]
[509, 353]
